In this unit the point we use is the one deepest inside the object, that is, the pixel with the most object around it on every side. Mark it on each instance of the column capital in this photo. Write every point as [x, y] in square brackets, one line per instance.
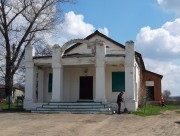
[29, 53]
[29, 64]
[129, 53]
[56, 56]
[100, 53]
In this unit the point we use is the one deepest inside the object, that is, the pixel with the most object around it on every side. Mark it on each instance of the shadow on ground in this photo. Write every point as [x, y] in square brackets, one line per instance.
[178, 122]
[13, 110]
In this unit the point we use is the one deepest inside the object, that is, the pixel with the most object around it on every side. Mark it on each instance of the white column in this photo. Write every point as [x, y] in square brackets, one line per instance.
[100, 92]
[40, 85]
[57, 89]
[130, 76]
[30, 77]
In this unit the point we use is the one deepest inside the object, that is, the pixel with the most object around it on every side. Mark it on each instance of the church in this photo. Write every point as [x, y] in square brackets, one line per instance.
[95, 69]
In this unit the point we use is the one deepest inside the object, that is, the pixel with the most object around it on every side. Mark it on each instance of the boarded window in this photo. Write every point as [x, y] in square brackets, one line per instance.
[50, 82]
[118, 81]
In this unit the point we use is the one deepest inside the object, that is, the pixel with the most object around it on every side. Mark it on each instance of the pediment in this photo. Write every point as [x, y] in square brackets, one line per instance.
[112, 47]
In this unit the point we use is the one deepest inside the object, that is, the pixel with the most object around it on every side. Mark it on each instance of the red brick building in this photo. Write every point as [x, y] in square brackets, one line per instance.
[152, 85]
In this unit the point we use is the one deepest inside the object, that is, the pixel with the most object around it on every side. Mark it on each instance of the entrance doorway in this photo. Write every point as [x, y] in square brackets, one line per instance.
[86, 87]
[150, 93]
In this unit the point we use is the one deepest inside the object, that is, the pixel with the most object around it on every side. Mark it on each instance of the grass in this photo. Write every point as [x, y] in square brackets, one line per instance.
[13, 108]
[5, 105]
[13, 105]
[150, 110]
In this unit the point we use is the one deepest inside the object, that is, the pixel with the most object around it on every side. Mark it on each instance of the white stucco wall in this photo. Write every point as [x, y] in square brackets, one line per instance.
[73, 68]
[110, 49]
[80, 49]
[137, 84]
[112, 96]
[72, 81]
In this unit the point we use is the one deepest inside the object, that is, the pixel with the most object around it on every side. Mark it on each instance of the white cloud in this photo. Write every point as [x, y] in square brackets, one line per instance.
[72, 27]
[104, 31]
[160, 49]
[170, 72]
[162, 43]
[173, 27]
[170, 5]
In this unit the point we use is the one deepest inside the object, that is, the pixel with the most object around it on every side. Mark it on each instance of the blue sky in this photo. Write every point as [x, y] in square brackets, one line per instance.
[123, 18]
[154, 25]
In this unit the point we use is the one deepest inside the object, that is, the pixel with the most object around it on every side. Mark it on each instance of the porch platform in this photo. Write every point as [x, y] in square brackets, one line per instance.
[80, 107]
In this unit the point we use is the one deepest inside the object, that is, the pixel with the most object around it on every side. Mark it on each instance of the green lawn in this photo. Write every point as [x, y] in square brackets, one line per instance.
[14, 105]
[149, 110]
[5, 105]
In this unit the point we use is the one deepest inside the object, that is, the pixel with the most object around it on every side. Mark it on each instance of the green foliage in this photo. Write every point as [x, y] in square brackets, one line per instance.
[172, 102]
[5, 105]
[150, 110]
[166, 94]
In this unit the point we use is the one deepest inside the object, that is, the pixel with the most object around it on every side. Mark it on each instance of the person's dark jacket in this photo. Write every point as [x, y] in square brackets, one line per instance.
[120, 98]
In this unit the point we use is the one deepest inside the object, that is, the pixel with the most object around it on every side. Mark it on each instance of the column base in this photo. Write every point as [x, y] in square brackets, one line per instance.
[131, 105]
[28, 104]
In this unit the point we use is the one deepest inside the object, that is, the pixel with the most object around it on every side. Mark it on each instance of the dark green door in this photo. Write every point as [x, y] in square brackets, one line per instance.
[86, 87]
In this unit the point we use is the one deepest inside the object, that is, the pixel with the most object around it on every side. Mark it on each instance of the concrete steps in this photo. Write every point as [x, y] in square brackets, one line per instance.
[74, 107]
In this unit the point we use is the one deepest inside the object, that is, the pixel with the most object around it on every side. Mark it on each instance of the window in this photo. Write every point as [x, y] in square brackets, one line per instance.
[50, 83]
[118, 81]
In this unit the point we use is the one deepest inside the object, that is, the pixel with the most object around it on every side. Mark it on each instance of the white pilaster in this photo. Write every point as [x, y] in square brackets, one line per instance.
[57, 89]
[30, 77]
[130, 76]
[100, 94]
[40, 85]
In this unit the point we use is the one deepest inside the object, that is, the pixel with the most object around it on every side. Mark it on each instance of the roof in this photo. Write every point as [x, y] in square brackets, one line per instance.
[41, 57]
[19, 87]
[140, 60]
[15, 86]
[138, 55]
[161, 76]
[92, 35]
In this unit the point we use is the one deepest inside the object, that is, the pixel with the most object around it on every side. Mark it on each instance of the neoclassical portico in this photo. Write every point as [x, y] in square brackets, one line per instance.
[95, 59]
[98, 62]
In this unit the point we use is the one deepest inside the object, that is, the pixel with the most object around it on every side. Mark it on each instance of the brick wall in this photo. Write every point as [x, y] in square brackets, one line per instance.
[150, 76]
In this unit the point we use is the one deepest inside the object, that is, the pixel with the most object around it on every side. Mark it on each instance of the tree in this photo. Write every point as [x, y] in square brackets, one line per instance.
[22, 22]
[166, 94]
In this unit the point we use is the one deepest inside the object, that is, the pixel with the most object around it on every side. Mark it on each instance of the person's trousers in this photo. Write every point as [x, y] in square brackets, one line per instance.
[119, 108]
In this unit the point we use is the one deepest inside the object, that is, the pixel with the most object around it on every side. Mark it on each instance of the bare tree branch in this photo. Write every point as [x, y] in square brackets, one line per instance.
[21, 23]
[16, 15]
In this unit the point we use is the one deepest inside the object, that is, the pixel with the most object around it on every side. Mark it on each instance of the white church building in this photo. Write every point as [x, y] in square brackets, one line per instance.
[96, 68]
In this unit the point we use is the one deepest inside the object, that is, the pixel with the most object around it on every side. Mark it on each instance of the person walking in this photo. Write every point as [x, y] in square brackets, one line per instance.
[162, 102]
[119, 100]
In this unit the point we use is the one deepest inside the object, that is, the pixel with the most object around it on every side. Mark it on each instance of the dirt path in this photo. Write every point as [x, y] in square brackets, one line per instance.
[29, 124]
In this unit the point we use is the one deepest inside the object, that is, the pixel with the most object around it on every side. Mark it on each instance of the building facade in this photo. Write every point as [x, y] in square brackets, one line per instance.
[96, 68]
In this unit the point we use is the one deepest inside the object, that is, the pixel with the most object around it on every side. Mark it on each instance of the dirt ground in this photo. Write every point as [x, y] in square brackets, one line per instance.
[33, 124]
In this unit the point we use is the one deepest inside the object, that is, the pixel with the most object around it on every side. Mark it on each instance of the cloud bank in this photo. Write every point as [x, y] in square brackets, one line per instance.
[163, 42]
[170, 5]
[160, 48]
[72, 27]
